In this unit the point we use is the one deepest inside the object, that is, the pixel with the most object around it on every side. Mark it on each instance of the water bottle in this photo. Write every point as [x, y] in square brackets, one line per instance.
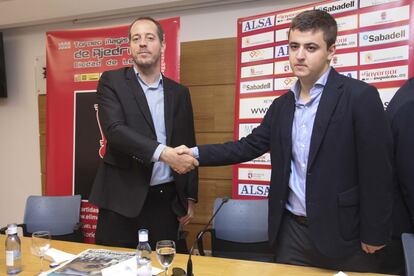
[13, 250]
[143, 254]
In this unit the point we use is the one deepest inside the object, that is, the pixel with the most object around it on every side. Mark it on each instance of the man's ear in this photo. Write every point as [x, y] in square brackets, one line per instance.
[331, 51]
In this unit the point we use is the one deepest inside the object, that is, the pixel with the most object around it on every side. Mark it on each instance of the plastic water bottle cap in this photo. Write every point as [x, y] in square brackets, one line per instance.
[11, 229]
[143, 235]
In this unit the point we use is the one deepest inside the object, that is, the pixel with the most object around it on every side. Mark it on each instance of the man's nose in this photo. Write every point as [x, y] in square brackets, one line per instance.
[143, 42]
[300, 53]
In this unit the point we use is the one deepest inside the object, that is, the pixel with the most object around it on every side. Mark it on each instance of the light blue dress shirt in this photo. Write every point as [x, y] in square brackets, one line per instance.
[161, 173]
[302, 127]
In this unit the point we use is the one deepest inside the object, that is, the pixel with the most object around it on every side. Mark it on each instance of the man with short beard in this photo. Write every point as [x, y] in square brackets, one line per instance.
[144, 115]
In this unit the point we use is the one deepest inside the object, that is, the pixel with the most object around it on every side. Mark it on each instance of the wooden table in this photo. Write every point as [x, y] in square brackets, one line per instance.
[207, 266]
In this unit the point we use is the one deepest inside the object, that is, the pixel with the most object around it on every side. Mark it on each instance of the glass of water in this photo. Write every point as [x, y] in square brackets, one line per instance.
[40, 244]
[165, 253]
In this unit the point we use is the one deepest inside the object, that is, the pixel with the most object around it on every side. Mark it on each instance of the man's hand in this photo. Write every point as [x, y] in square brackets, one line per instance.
[179, 163]
[183, 149]
[369, 249]
[190, 213]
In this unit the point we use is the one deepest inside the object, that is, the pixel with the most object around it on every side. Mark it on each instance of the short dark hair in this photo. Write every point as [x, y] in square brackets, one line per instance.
[160, 31]
[316, 20]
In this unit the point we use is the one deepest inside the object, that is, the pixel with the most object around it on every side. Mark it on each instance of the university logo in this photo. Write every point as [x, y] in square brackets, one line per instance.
[384, 16]
[254, 174]
[257, 70]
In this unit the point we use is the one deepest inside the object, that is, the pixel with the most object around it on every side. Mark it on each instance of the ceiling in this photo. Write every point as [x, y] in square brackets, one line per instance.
[22, 13]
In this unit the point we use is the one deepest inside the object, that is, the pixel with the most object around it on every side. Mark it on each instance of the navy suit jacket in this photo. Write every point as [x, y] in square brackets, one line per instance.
[123, 177]
[349, 174]
[400, 112]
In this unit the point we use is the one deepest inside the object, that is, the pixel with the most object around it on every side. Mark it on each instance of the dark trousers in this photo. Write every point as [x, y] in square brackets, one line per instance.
[157, 216]
[394, 262]
[294, 246]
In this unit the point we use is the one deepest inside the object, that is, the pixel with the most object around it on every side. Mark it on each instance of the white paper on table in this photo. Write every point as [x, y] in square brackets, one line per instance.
[340, 273]
[156, 271]
[58, 256]
[126, 268]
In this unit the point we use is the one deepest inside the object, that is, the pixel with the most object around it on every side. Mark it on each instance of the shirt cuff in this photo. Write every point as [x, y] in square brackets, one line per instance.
[195, 152]
[157, 153]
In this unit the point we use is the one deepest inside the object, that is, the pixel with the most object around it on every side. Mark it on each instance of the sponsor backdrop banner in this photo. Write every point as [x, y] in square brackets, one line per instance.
[375, 44]
[75, 61]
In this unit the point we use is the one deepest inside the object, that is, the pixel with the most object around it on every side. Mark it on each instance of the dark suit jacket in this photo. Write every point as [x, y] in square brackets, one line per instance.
[400, 112]
[123, 177]
[348, 185]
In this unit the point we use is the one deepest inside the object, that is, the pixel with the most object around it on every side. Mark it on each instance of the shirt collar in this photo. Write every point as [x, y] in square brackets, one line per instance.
[321, 82]
[153, 85]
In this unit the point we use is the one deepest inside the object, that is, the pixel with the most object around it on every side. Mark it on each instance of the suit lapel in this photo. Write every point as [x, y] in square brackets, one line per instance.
[139, 95]
[329, 99]
[168, 108]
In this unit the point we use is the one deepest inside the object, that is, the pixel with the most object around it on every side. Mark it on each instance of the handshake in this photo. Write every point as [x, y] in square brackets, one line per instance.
[180, 159]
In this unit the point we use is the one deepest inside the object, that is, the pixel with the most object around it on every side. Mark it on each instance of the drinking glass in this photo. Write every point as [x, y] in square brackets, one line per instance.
[40, 244]
[165, 253]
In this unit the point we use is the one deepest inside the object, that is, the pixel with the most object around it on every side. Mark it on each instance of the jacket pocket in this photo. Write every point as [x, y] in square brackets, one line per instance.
[348, 213]
[117, 160]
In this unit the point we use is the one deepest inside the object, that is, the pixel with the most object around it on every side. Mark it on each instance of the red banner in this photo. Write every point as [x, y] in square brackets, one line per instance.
[375, 44]
[75, 61]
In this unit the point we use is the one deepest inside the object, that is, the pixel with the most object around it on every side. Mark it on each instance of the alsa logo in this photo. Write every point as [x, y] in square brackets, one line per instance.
[282, 51]
[259, 23]
[254, 190]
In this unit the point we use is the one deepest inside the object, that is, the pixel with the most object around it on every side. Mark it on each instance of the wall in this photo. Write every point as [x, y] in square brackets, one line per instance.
[19, 127]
